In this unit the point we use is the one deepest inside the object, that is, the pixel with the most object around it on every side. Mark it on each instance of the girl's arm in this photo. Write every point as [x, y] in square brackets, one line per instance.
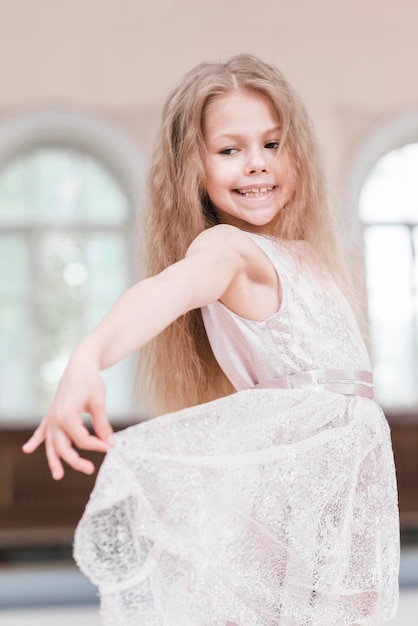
[214, 262]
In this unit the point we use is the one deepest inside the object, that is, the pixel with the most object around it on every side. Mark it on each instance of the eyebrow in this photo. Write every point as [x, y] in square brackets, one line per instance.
[240, 135]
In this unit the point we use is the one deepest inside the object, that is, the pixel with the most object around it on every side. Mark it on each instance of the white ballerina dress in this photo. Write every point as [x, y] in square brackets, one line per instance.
[274, 506]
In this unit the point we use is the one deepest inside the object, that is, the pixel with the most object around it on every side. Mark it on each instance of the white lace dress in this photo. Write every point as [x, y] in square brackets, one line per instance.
[271, 507]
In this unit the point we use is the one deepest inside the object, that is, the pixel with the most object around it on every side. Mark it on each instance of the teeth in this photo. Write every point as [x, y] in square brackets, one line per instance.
[255, 193]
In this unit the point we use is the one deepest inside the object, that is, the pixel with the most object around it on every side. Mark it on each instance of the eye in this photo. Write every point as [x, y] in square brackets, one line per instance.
[229, 151]
[272, 145]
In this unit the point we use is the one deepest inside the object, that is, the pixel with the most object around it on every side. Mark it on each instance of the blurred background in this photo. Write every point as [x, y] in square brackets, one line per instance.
[82, 84]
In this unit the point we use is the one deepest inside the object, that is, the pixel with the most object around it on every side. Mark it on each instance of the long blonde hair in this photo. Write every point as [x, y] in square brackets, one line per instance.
[178, 368]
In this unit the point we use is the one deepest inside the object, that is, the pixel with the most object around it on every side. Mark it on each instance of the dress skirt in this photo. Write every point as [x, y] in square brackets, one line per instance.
[264, 508]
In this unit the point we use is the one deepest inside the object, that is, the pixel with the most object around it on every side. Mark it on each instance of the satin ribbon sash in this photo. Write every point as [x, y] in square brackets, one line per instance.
[348, 382]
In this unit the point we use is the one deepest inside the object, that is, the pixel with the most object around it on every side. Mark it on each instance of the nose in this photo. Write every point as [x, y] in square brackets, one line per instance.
[256, 163]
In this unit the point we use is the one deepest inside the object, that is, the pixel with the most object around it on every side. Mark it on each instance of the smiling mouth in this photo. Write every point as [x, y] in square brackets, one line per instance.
[256, 192]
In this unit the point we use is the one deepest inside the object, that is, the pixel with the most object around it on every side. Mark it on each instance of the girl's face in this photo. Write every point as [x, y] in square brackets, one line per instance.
[247, 179]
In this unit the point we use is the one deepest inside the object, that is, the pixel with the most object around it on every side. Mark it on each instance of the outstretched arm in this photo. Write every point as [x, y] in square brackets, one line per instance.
[214, 261]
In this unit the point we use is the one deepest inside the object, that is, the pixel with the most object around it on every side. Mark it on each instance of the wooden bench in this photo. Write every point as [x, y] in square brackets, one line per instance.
[35, 509]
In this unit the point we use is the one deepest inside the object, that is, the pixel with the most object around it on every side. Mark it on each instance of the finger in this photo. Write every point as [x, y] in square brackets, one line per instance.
[63, 447]
[93, 443]
[36, 440]
[77, 462]
[78, 433]
[101, 423]
[55, 466]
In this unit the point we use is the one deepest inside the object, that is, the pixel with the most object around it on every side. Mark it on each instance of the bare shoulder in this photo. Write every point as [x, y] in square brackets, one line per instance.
[225, 239]
[221, 233]
[254, 292]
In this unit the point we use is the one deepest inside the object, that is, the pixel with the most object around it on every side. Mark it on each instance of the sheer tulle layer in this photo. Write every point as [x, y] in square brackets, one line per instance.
[266, 508]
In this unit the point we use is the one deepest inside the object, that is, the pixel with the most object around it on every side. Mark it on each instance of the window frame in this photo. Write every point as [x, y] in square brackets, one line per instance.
[390, 134]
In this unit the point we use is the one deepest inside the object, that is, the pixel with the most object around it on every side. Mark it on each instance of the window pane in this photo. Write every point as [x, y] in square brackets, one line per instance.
[391, 309]
[16, 389]
[103, 200]
[63, 263]
[60, 186]
[119, 381]
[14, 266]
[80, 278]
[388, 253]
[61, 288]
[107, 266]
[13, 194]
[390, 193]
[56, 180]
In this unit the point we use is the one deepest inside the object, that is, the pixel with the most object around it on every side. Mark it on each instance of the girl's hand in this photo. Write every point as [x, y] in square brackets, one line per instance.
[81, 390]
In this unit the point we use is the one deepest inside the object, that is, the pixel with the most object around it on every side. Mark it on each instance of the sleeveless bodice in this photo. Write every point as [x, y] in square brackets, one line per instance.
[314, 328]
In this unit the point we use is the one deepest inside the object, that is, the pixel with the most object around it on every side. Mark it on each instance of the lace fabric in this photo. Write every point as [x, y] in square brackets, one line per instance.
[270, 507]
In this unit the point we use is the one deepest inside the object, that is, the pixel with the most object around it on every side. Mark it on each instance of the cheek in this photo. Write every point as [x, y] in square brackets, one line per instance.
[217, 178]
[209, 183]
[212, 188]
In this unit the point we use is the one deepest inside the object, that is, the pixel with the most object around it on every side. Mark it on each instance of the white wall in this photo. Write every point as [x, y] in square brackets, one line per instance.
[353, 62]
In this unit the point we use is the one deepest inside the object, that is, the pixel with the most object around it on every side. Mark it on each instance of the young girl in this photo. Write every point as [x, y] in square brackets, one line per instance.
[273, 502]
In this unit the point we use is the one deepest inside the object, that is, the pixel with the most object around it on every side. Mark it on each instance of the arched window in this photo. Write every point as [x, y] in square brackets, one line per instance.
[388, 208]
[384, 195]
[66, 223]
